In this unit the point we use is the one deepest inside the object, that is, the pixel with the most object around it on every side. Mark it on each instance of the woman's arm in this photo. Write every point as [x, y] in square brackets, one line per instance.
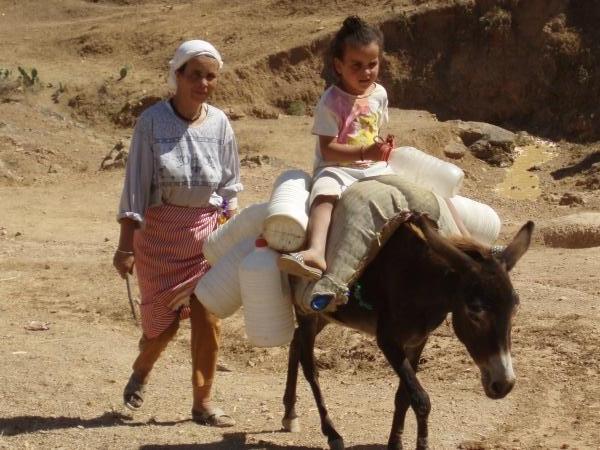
[123, 258]
[230, 183]
[135, 196]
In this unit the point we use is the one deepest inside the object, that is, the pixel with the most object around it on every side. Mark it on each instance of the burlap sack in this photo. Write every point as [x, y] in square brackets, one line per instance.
[363, 219]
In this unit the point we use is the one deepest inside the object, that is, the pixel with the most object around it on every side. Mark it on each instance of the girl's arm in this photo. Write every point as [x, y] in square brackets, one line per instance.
[333, 151]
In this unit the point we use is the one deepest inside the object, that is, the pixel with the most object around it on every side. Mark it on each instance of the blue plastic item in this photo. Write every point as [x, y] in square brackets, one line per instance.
[320, 302]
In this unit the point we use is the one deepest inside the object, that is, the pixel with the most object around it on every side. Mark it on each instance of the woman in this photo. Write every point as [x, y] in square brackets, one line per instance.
[182, 173]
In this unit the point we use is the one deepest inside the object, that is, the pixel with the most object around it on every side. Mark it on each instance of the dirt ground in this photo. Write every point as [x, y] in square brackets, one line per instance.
[61, 387]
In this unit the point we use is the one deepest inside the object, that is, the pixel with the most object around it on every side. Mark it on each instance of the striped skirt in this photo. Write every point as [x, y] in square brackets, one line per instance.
[169, 261]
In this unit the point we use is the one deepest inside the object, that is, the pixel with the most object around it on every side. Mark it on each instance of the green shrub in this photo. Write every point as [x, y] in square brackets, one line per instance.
[296, 108]
[123, 72]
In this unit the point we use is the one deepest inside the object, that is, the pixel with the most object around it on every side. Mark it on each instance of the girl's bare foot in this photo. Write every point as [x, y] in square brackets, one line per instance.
[314, 259]
[295, 264]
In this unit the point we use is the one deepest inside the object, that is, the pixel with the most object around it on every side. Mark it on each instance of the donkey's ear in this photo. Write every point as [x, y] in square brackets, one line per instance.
[519, 245]
[457, 259]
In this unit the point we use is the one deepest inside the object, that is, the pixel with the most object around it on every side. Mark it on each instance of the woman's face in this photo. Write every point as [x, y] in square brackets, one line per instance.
[197, 81]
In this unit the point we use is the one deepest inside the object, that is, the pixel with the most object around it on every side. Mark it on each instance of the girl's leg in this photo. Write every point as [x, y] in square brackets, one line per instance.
[318, 227]
[206, 330]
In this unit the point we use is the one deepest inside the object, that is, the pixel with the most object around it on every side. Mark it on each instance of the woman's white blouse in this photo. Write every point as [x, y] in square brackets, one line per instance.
[172, 162]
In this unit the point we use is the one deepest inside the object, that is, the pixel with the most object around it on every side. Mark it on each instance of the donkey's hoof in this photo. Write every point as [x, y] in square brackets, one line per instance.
[422, 443]
[337, 444]
[291, 425]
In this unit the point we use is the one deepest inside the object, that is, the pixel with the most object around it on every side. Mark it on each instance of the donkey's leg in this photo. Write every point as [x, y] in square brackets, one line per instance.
[409, 390]
[290, 420]
[308, 328]
[402, 402]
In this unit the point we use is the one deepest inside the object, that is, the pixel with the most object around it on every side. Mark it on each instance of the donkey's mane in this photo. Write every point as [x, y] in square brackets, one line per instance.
[467, 245]
[463, 243]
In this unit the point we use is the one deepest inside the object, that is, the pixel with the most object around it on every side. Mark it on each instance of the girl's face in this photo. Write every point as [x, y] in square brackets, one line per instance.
[359, 68]
[197, 81]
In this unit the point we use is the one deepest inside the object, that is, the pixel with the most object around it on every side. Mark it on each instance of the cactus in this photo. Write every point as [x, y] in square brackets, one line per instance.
[28, 79]
[123, 72]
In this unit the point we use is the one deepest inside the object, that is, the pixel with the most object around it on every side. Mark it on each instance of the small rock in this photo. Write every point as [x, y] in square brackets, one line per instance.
[234, 115]
[572, 231]
[492, 153]
[223, 367]
[487, 142]
[46, 266]
[255, 160]
[36, 325]
[534, 168]
[455, 150]
[106, 239]
[263, 113]
[55, 168]
[570, 198]
[18, 233]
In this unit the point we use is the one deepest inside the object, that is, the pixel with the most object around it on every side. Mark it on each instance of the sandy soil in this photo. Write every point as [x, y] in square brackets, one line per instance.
[61, 388]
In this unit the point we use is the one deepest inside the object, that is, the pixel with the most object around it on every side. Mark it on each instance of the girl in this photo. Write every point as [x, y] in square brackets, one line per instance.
[348, 119]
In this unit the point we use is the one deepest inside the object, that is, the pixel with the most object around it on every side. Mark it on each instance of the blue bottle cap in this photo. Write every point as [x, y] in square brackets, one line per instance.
[320, 302]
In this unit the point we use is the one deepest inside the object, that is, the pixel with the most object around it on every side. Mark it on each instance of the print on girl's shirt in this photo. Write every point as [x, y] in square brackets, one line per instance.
[360, 126]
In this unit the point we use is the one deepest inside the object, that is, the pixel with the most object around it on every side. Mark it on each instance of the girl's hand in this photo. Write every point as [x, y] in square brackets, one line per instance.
[391, 141]
[375, 151]
[380, 150]
[123, 262]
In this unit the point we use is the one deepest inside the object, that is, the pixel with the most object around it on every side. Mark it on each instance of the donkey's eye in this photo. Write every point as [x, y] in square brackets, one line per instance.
[475, 306]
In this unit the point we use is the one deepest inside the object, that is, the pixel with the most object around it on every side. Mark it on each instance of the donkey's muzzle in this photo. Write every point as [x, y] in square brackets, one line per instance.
[497, 376]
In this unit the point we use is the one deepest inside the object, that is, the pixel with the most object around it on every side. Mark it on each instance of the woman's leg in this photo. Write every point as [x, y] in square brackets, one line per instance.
[150, 350]
[206, 331]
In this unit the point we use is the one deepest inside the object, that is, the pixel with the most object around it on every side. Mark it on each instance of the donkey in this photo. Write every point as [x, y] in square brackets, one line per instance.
[417, 278]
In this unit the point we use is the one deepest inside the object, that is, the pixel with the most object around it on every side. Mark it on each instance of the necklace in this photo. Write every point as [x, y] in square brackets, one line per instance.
[203, 108]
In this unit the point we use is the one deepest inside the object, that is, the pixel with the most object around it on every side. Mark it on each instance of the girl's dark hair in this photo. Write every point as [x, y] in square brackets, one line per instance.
[356, 33]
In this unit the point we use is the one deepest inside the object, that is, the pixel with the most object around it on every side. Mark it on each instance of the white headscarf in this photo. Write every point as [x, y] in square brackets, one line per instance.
[187, 51]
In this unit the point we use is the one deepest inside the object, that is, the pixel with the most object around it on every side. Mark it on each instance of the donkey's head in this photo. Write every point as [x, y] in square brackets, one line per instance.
[484, 303]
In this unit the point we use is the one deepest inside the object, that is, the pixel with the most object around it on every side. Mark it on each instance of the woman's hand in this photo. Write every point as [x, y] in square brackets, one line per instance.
[123, 262]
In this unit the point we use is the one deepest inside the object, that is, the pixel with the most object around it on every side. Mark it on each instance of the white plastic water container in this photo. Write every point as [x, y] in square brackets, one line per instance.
[440, 176]
[219, 288]
[268, 311]
[287, 216]
[479, 219]
[244, 225]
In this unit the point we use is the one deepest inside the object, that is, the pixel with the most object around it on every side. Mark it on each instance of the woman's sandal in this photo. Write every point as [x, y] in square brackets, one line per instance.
[293, 263]
[213, 418]
[133, 394]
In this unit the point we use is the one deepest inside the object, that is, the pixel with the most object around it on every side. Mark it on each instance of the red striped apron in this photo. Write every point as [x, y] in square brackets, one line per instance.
[169, 260]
